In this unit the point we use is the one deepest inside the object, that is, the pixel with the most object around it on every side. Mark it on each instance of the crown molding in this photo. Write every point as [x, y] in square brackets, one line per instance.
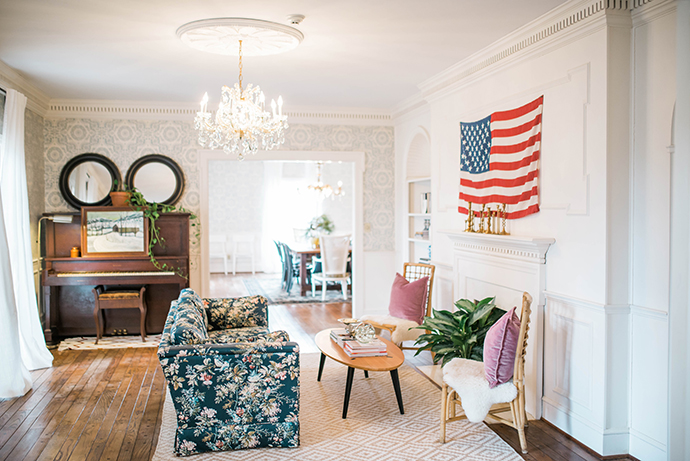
[152, 110]
[37, 101]
[647, 12]
[571, 17]
[339, 116]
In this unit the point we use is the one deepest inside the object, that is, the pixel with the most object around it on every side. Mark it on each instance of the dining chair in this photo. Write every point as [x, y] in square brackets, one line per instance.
[465, 384]
[404, 329]
[334, 256]
[242, 247]
[219, 249]
[283, 280]
[290, 268]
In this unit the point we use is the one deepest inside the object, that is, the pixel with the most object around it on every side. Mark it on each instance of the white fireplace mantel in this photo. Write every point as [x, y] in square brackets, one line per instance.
[520, 248]
[503, 267]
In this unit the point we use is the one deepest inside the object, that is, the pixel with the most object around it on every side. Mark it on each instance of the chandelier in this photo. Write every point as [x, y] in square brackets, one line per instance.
[241, 125]
[325, 190]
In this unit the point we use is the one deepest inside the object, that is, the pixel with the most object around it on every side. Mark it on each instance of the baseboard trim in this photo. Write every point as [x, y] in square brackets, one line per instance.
[615, 443]
[586, 448]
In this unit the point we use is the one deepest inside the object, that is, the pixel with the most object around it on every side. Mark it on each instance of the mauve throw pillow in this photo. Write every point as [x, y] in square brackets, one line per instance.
[499, 349]
[408, 299]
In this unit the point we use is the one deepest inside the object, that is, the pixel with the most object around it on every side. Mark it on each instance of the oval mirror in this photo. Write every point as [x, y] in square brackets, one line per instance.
[157, 177]
[88, 179]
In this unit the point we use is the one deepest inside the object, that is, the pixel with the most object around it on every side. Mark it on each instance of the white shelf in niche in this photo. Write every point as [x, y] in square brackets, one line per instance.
[419, 215]
[428, 242]
[426, 178]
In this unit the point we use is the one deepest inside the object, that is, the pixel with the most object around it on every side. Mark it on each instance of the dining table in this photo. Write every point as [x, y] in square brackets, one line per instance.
[305, 253]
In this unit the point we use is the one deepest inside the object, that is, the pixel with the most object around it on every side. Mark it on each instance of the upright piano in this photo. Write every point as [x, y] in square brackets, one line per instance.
[67, 282]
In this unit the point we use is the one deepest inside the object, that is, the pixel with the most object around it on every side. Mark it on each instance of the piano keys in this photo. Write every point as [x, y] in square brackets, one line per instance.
[67, 282]
[113, 274]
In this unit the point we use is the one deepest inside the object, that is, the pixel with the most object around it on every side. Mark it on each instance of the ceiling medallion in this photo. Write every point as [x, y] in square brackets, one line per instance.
[241, 122]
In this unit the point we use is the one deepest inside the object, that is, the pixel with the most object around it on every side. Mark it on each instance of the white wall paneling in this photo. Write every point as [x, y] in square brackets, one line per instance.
[505, 267]
[649, 376]
[444, 292]
[586, 351]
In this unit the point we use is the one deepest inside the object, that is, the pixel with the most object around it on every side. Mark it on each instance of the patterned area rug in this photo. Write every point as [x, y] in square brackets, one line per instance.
[270, 289]
[374, 428]
[108, 342]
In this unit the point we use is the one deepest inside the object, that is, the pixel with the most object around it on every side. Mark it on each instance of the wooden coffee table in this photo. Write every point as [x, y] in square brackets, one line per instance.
[390, 362]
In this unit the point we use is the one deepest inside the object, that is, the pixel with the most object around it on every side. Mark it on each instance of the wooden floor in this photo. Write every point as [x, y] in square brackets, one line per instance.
[107, 404]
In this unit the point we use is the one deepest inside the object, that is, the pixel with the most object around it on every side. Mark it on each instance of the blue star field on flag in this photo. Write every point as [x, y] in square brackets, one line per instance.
[475, 146]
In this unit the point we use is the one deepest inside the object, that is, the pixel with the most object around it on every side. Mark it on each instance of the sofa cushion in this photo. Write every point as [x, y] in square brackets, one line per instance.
[248, 311]
[189, 297]
[246, 335]
[188, 326]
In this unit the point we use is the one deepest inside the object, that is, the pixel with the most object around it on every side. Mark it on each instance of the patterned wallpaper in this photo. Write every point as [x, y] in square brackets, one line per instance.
[379, 175]
[236, 196]
[35, 161]
[124, 141]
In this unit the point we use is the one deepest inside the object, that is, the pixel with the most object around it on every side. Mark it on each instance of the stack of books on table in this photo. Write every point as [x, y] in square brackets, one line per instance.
[375, 348]
[340, 336]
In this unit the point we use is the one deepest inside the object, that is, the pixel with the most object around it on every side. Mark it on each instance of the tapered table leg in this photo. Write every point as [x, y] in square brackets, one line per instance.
[396, 386]
[323, 360]
[348, 389]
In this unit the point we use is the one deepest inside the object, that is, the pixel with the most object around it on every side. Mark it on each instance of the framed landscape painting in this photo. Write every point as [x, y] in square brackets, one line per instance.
[113, 231]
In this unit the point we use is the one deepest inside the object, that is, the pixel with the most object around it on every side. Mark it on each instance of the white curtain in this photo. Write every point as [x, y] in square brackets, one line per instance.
[17, 261]
[14, 378]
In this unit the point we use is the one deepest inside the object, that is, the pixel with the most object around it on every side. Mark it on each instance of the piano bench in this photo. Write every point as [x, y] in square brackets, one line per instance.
[119, 299]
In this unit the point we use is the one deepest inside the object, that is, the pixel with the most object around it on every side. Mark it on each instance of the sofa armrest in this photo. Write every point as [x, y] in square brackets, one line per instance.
[247, 311]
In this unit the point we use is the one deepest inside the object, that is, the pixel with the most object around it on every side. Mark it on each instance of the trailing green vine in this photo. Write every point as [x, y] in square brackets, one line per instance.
[152, 211]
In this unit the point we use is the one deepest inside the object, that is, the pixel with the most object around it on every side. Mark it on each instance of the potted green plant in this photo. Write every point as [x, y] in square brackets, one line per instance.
[152, 211]
[460, 333]
[120, 196]
[319, 225]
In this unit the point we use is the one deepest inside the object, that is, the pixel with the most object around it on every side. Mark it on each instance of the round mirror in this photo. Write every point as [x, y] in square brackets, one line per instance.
[158, 178]
[87, 179]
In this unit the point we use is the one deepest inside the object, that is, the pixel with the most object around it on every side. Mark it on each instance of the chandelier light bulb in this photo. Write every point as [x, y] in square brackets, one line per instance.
[204, 102]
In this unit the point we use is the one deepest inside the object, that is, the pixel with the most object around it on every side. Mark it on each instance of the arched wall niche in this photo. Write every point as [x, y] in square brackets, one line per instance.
[418, 163]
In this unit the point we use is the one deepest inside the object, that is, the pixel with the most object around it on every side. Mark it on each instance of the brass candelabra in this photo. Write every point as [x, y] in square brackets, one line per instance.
[490, 221]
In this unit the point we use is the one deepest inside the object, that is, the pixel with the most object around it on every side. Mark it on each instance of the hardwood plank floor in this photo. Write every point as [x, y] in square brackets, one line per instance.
[107, 404]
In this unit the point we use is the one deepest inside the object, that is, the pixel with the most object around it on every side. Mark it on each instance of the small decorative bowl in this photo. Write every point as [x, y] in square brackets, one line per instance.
[350, 324]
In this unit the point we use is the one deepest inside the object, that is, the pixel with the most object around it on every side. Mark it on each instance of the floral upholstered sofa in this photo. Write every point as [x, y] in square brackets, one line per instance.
[233, 383]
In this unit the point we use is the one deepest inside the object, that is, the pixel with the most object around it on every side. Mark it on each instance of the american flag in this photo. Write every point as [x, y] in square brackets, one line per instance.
[499, 160]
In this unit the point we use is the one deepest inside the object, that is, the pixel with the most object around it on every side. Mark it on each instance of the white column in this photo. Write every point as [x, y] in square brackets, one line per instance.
[679, 321]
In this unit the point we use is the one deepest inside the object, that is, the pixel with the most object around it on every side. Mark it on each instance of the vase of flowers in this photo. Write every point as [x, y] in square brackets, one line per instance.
[319, 225]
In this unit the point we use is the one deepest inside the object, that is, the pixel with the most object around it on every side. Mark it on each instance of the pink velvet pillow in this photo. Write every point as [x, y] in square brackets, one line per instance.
[408, 299]
[499, 349]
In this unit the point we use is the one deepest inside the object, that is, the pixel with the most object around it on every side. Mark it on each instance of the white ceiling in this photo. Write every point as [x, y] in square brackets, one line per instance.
[356, 53]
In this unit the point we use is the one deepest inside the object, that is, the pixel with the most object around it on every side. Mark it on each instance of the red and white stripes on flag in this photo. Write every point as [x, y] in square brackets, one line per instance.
[499, 160]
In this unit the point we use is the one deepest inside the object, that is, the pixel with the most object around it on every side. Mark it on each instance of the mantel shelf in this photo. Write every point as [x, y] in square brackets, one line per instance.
[522, 248]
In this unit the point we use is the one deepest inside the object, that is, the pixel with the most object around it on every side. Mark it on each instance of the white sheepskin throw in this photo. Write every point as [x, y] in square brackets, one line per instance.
[467, 378]
[402, 327]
